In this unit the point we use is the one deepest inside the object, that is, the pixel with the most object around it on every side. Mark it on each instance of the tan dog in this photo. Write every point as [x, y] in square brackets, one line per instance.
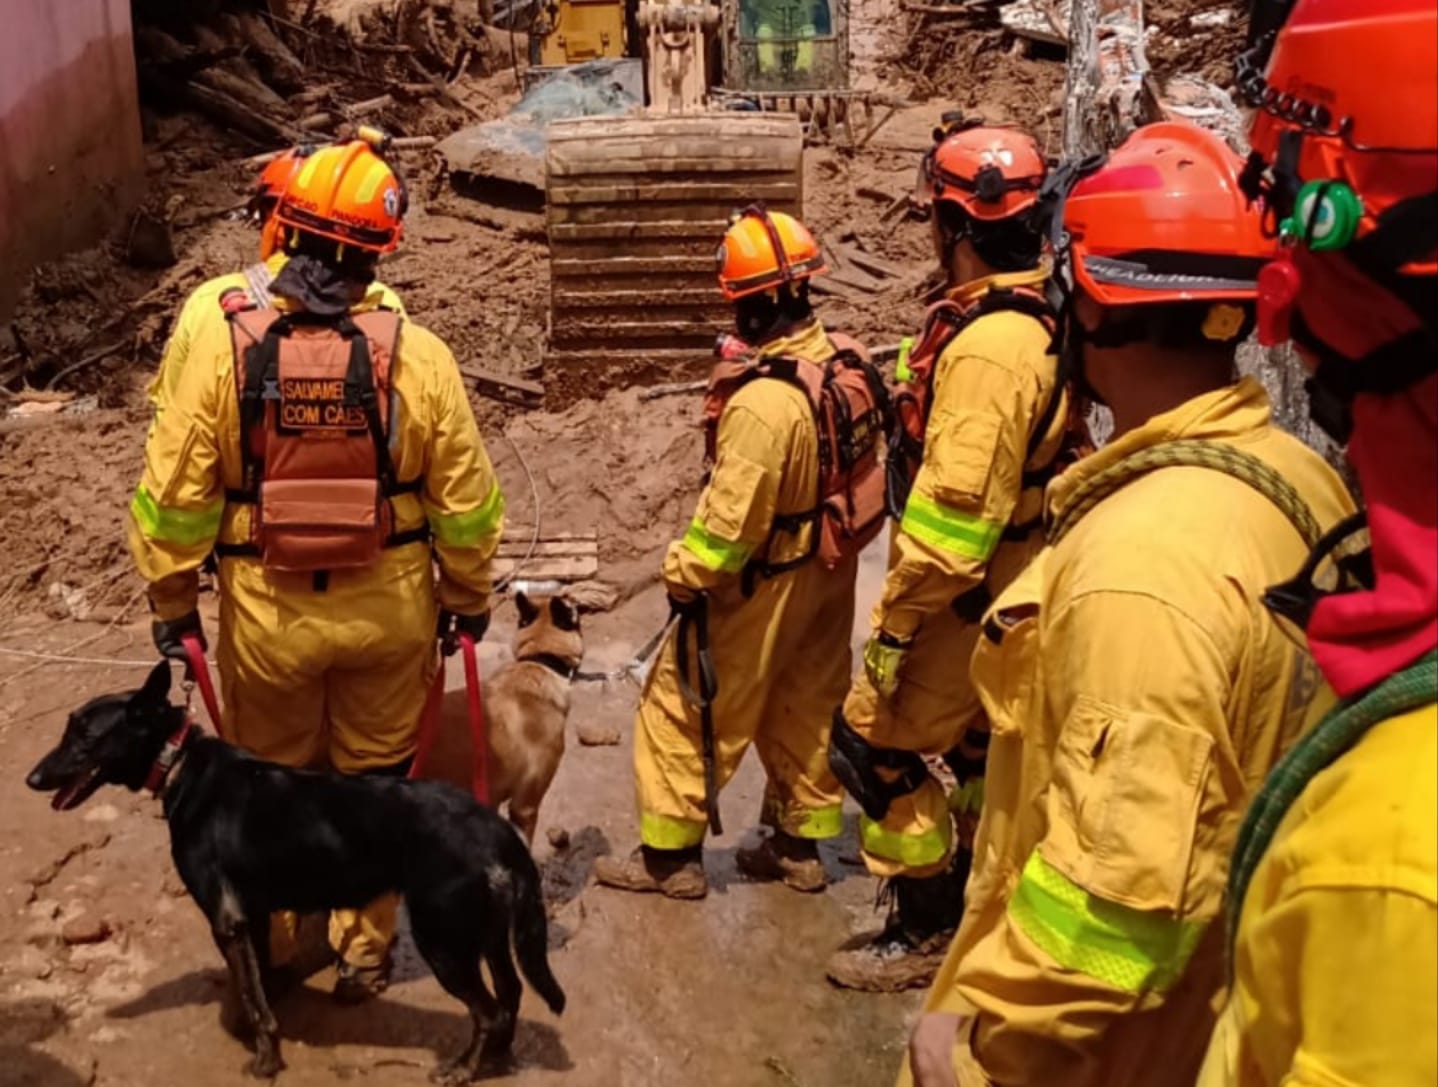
[525, 706]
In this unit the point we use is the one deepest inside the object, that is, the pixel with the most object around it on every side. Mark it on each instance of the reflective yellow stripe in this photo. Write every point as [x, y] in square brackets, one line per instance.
[911, 850]
[827, 822]
[721, 555]
[949, 529]
[1132, 950]
[666, 832]
[187, 527]
[468, 528]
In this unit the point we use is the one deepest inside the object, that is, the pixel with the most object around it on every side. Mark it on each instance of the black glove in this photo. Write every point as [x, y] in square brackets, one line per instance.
[683, 601]
[168, 635]
[451, 626]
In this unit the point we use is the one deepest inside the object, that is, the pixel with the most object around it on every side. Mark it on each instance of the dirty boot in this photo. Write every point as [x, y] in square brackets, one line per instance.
[784, 857]
[357, 984]
[674, 873]
[923, 915]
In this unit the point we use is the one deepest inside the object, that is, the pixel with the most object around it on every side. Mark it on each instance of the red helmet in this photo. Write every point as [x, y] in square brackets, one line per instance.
[1345, 149]
[991, 172]
[1358, 80]
[1165, 220]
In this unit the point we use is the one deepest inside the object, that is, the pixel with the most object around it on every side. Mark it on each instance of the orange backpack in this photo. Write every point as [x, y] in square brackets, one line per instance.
[314, 414]
[852, 417]
[913, 391]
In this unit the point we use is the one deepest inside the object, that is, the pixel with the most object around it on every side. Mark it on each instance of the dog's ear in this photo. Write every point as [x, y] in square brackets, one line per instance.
[564, 613]
[528, 613]
[156, 691]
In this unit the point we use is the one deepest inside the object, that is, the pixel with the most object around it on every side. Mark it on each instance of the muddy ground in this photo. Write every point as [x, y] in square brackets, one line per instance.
[107, 972]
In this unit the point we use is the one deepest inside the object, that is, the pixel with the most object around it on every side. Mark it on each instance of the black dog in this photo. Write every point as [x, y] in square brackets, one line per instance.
[250, 838]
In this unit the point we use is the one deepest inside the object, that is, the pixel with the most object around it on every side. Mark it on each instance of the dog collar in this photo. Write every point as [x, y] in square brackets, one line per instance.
[169, 755]
[553, 662]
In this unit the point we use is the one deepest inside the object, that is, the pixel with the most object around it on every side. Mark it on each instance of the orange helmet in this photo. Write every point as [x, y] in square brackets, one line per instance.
[273, 181]
[1345, 151]
[348, 193]
[991, 172]
[1164, 220]
[763, 250]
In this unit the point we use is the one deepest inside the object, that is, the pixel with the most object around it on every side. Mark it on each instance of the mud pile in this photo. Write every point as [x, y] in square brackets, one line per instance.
[627, 468]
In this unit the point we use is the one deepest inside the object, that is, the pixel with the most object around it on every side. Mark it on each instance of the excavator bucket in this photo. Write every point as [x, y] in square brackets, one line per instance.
[636, 209]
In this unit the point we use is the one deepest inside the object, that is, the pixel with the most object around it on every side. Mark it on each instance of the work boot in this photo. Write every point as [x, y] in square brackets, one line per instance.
[674, 873]
[923, 916]
[784, 857]
[357, 984]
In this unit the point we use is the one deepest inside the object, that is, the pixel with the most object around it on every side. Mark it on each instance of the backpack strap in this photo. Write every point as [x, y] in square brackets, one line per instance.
[1217, 456]
[258, 278]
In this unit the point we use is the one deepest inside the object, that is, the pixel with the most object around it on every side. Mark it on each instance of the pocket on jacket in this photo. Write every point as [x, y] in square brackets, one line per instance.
[960, 457]
[727, 506]
[1124, 803]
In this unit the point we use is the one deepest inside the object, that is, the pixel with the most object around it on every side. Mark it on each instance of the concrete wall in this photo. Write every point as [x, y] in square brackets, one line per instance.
[71, 162]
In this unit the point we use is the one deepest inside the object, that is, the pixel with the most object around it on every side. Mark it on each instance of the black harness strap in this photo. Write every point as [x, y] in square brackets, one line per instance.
[695, 617]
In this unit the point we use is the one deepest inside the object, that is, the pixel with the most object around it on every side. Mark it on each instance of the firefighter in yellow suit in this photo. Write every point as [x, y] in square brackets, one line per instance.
[205, 304]
[1333, 897]
[780, 643]
[1137, 688]
[331, 668]
[996, 415]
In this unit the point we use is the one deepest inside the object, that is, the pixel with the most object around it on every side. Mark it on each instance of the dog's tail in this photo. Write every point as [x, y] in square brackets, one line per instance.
[531, 935]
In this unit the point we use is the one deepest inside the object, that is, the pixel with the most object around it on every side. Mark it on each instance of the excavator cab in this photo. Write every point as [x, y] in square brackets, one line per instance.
[785, 46]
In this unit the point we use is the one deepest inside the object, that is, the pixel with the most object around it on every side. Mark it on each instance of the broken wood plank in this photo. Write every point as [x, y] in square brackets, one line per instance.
[518, 549]
[867, 262]
[525, 533]
[39, 413]
[828, 285]
[503, 387]
[654, 392]
[544, 568]
[856, 278]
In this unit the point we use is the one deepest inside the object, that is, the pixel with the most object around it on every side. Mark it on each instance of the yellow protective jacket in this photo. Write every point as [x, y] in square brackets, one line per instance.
[1336, 966]
[1138, 692]
[766, 463]
[781, 654]
[991, 385]
[202, 308]
[179, 510]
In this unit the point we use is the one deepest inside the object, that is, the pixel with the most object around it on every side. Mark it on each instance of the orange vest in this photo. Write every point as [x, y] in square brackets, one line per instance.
[852, 418]
[314, 396]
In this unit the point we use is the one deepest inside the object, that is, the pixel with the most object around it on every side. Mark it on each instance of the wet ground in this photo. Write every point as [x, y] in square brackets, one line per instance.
[108, 975]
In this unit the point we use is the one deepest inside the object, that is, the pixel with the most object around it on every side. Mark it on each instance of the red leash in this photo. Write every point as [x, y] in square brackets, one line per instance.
[429, 720]
[199, 670]
[476, 718]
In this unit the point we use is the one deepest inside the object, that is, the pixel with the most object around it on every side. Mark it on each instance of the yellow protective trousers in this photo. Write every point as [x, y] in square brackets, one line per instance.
[956, 541]
[782, 661]
[329, 679]
[929, 714]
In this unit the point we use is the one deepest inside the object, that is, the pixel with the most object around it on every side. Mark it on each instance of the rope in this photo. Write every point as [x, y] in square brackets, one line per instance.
[534, 500]
[1218, 456]
[626, 671]
[1340, 729]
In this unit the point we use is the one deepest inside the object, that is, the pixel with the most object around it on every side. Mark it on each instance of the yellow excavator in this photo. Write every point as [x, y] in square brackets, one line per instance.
[635, 205]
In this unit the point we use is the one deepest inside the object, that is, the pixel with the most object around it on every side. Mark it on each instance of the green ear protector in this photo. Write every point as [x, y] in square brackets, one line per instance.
[1325, 216]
